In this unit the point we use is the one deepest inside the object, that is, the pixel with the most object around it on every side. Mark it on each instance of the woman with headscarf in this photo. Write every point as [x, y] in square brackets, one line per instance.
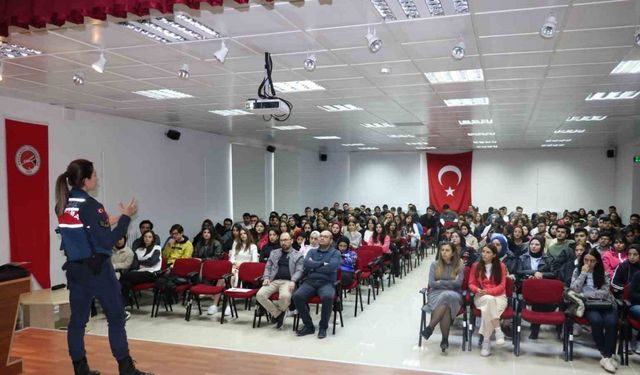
[505, 255]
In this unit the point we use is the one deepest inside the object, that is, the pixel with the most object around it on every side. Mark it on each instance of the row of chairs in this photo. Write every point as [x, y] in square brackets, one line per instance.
[525, 306]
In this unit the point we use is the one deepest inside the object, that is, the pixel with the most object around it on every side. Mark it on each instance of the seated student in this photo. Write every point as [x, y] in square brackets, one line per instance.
[121, 256]
[504, 254]
[517, 241]
[259, 233]
[246, 221]
[535, 264]
[615, 255]
[321, 266]
[560, 243]
[625, 270]
[294, 224]
[178, 246]
[355, 238]
[273, 243]
[380, 238]
[312, 242]
[411, 231]
[591, 281]
[369, 229]
[224, 230]
[336, 233]
[145, 225]
[564, 271]
[604, 242]
[233, 237]
[594, 237]
[469, 238]
[299, 241]
[487, 280]
[284, 228]
[244, 250]
[444, 297]
[467, 254]
[148, 263]
[209, 246]
[349, 258]
[284, 268]
[206, 224]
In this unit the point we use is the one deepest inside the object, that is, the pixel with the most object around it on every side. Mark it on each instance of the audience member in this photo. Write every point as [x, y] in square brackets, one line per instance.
[206, 224]
[355, 238]
[244, 250]
[148, 263]
[145, 225]
[122, 256]
[178, 246]
[209, 246]
[615, 255]
[625, 270]
[273, 243]
[349, 258]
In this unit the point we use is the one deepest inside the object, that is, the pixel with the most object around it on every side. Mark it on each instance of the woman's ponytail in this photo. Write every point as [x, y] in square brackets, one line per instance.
[77, 171]
[62, 193]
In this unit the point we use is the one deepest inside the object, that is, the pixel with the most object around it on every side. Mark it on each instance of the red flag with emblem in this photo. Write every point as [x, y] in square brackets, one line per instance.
[450, 180]
[27, 150]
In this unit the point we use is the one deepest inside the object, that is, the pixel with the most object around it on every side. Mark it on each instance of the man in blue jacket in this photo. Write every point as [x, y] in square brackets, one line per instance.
[321, 266]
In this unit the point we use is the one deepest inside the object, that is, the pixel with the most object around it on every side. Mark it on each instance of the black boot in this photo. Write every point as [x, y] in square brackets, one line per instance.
[127, 367]
[81, 367]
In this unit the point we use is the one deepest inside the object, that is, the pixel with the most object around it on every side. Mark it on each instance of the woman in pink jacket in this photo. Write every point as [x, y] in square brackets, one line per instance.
[380, 238]
[615, 255]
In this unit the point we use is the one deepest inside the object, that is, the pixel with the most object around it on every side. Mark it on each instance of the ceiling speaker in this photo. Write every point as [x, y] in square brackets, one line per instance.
[323, 157]
[611, 153]
[173, 134]
[271, 149]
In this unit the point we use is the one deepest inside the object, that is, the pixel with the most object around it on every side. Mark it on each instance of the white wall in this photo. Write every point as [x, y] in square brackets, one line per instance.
[249, 170]
[286, 182]
[626, 173]
[323, 182]
[174, 182]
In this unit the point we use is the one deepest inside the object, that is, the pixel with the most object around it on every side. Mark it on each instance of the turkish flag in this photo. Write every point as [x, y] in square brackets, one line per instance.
[450, 180]
[27, 148]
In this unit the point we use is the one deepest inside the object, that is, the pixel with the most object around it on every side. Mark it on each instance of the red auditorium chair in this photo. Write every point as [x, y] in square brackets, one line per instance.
[337, 304]
[250, 277]
[355, 285]
[138, 288]
[508, 313]
[378, 267]
[368, 264]
[212, 271]
[182, 268]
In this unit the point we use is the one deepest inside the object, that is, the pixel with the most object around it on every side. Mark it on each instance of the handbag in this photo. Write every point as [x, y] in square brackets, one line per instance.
[597, 304]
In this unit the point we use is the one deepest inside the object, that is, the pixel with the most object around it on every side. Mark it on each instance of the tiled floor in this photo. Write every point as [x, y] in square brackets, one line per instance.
[385, 334]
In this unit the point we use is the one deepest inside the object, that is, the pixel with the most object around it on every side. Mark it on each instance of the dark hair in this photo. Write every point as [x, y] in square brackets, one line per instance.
[227, 220]
[153, 242]
[562, 227]
[635, 215]
[206, 223]
[77, 171]
[540, 239]
[581, 230]
[622, 239]
[177, 227]
[598, 270]
[143, 222]
[379, 237]
[214, 235]
[463, 241]
[496, 267]
[246, 214]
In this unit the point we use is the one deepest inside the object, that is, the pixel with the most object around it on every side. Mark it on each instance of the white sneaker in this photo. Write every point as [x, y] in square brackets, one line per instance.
[499, 337]
[127, 315]
[212, 310]
[607, 364]
[486, 349]
[291, 313]
[227, 312]
[615, 360]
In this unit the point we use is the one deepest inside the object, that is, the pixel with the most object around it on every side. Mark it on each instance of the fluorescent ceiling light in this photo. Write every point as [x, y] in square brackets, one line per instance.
[10, 50]
[378, 125]
[627, 67]
[401, 136]
[488, 146]
[557, 140]
[426, 148]
[297, 86]
[569, 131]
[484, 121]
[484, 142]
[451, 76]
[484, 134]
[417, 143]
[352, 144]
[163, 94]
[586, 118]
[195, 25]
[368, 148]
[289, 127]
[613, 95]
[339, 108]
[167, 30]
[230, 112]
[409, 8]
[553, 145]
[461, 6]
[327, 137]
[435, 7]
[466, 102]
[384, 10]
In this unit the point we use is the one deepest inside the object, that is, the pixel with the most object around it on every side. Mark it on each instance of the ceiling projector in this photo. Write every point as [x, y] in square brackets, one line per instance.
[267, 107]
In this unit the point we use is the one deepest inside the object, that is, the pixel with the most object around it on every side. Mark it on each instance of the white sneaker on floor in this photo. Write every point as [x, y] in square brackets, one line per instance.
[500, 337]
[615, 359]
[292, 313]
[607, 364]
[486, 349]
[127, 315]
[212, 310]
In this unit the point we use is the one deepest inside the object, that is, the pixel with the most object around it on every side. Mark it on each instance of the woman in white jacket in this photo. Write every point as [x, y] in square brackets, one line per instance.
[243, 250]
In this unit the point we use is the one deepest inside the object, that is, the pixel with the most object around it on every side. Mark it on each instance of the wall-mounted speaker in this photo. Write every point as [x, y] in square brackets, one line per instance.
[323, 157]
[173, 135]
[611, 153]
[271, 149]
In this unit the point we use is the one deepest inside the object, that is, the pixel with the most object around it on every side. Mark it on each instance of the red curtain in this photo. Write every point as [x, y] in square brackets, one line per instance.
[39, 13]
[450, 180]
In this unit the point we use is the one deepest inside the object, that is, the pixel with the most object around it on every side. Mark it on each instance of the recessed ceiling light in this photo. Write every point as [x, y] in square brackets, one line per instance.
[482, 134]
[586, 118]
[384, 10]
[553, 145]
[378, 125]
[451, 76]
[163, 94]
[230, 112]
[409, 8]
[466, 102]
[488, 146]
[339, 108]
[627, 67]
[484, 142]
[401, 136]
[569, 131]
[289, 127]
[613, 95]
[385, 70]
[368, 148]
[310, 63]
[417, 143]
[426, 148]
[297, 86]
[484, 121]
[548, 30]
[78, 79]
[458, 51]
[557, 140]
[327, 137]
[183, 73]
[9, 50]
[166, 30]
[197, 26]
[352, 144]
[435, 7]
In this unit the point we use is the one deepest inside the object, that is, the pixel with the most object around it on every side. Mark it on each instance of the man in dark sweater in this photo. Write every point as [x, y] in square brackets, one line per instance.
[321, 266]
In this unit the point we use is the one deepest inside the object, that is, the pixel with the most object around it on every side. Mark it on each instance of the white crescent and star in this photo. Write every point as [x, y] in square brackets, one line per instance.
[453, 169]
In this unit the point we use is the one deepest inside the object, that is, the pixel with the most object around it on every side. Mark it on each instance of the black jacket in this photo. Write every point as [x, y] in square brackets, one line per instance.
[623, 275]
[524, 267]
